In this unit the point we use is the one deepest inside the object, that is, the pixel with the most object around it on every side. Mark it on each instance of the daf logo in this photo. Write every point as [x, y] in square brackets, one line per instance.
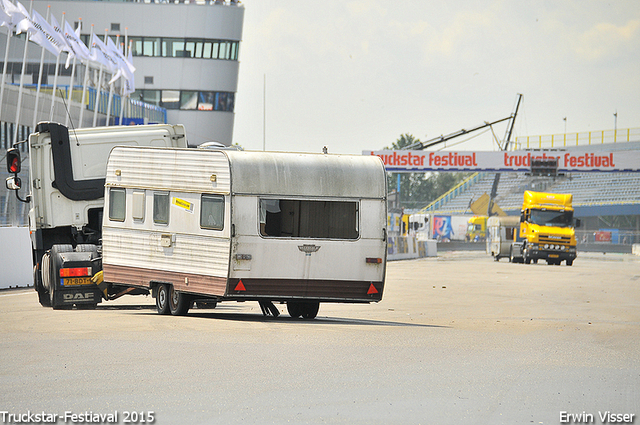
[78, 297]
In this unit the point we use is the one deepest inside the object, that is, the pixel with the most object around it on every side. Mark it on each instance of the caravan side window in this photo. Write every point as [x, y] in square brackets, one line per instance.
[212, 212]
[161, 207]
[117, 204]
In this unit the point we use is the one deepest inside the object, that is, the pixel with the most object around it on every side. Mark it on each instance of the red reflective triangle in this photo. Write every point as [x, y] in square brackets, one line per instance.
[372, 290]
[240, 286]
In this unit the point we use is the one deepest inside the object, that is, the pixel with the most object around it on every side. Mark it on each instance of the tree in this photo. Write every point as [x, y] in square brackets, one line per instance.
[417, 190]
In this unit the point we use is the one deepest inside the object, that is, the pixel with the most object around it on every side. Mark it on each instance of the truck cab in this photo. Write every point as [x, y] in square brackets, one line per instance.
[546, 229]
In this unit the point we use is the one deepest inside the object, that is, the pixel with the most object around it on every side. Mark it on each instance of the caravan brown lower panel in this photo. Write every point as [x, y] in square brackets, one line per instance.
[186, 282]
[323, 290]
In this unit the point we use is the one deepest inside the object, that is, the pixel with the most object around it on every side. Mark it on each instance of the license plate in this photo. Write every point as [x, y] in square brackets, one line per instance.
[75, 281]
[553, 256]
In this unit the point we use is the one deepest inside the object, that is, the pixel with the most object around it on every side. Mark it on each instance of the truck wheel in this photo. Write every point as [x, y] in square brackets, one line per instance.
[569, 262]
[162, 299]
[294, 308]
[179, 303]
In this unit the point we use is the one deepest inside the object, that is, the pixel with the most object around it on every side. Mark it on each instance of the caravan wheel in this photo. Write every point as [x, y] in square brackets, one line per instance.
[310, 310]
[162, 299]
[294, 308]
[179, 303]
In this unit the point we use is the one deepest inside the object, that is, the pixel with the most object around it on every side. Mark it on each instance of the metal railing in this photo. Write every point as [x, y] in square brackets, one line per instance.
[620, 135]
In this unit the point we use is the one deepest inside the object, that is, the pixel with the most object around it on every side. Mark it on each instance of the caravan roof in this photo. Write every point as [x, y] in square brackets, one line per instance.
[242, 172]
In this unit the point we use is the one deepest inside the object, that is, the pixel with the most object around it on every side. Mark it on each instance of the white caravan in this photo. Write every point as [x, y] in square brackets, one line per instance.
[197, 224]
[502, 232]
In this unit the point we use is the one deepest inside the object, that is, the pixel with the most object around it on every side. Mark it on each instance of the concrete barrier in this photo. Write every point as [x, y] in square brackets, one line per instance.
[407, 247]
[635, 249]
[15, 257]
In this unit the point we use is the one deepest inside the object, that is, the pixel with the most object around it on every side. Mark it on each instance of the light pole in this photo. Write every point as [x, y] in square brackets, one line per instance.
[615, 125]
[565, 125]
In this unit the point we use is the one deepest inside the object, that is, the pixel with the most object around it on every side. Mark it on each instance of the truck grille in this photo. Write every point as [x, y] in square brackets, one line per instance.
[562, 240]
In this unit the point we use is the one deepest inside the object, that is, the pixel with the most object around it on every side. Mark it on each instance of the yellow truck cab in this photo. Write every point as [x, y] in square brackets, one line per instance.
[477, 229]
[546, 229]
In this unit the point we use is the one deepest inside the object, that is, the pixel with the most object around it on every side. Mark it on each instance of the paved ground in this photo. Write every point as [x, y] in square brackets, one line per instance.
[458, 339]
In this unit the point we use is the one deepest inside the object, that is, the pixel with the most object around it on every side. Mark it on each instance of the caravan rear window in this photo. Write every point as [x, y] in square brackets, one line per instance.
[117, 199]
[288, 218]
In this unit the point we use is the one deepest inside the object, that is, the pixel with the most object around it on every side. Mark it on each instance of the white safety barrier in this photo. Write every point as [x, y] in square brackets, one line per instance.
[15, 257]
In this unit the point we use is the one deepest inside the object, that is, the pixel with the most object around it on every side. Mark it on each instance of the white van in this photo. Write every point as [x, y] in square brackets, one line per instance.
[193, 224]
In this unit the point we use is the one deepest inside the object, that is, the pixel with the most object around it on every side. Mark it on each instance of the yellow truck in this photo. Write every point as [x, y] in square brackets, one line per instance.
[477, 229]
[546, 229]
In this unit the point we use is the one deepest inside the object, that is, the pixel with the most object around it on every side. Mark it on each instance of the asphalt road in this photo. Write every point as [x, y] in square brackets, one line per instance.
[458, 339]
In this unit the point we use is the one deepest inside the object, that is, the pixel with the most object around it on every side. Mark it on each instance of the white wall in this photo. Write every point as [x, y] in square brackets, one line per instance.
[15, 257]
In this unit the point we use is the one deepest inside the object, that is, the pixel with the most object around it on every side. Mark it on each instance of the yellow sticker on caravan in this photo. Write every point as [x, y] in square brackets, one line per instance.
[185, 205]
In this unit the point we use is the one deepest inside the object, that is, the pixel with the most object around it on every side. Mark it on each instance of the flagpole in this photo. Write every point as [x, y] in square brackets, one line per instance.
[55, 78]
[4, 67]
[35, 109]
[111, 87]
[24, 61]
[99, 88]
[86, 80]
[122, 89]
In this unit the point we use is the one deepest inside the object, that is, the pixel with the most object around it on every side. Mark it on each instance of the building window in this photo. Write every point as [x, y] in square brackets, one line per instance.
[188, 100]
[212, 212]
[182, 47]
[117, 204]
[170, 99]
[148, 80]
[115, 27]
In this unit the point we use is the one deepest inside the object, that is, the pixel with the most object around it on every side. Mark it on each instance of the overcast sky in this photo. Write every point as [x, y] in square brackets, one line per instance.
[355, 75]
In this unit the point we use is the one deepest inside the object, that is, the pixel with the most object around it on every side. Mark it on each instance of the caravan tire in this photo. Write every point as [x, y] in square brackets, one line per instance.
[294, 308]
[179, 303]
[310, 309]
[162, 299]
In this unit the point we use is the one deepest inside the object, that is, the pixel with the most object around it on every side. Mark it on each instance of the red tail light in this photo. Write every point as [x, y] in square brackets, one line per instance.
[75, 272]
[371, 260]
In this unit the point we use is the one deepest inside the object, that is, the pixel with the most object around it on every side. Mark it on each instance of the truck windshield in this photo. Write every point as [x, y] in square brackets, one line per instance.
[552, 218]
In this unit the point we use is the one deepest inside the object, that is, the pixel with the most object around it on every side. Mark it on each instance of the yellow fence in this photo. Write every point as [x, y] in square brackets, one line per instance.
[620, 135]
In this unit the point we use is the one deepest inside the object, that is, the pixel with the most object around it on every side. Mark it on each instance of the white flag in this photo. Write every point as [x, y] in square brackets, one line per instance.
[78, 48]
[129, 81]
[21, 19]
[100, 54]
[59, 34]
[15, 14]
[124, 68]
[5, 15]
[44, 35]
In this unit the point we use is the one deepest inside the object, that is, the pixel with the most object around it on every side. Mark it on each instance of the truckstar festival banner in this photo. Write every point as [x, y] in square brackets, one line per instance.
[510, 161]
